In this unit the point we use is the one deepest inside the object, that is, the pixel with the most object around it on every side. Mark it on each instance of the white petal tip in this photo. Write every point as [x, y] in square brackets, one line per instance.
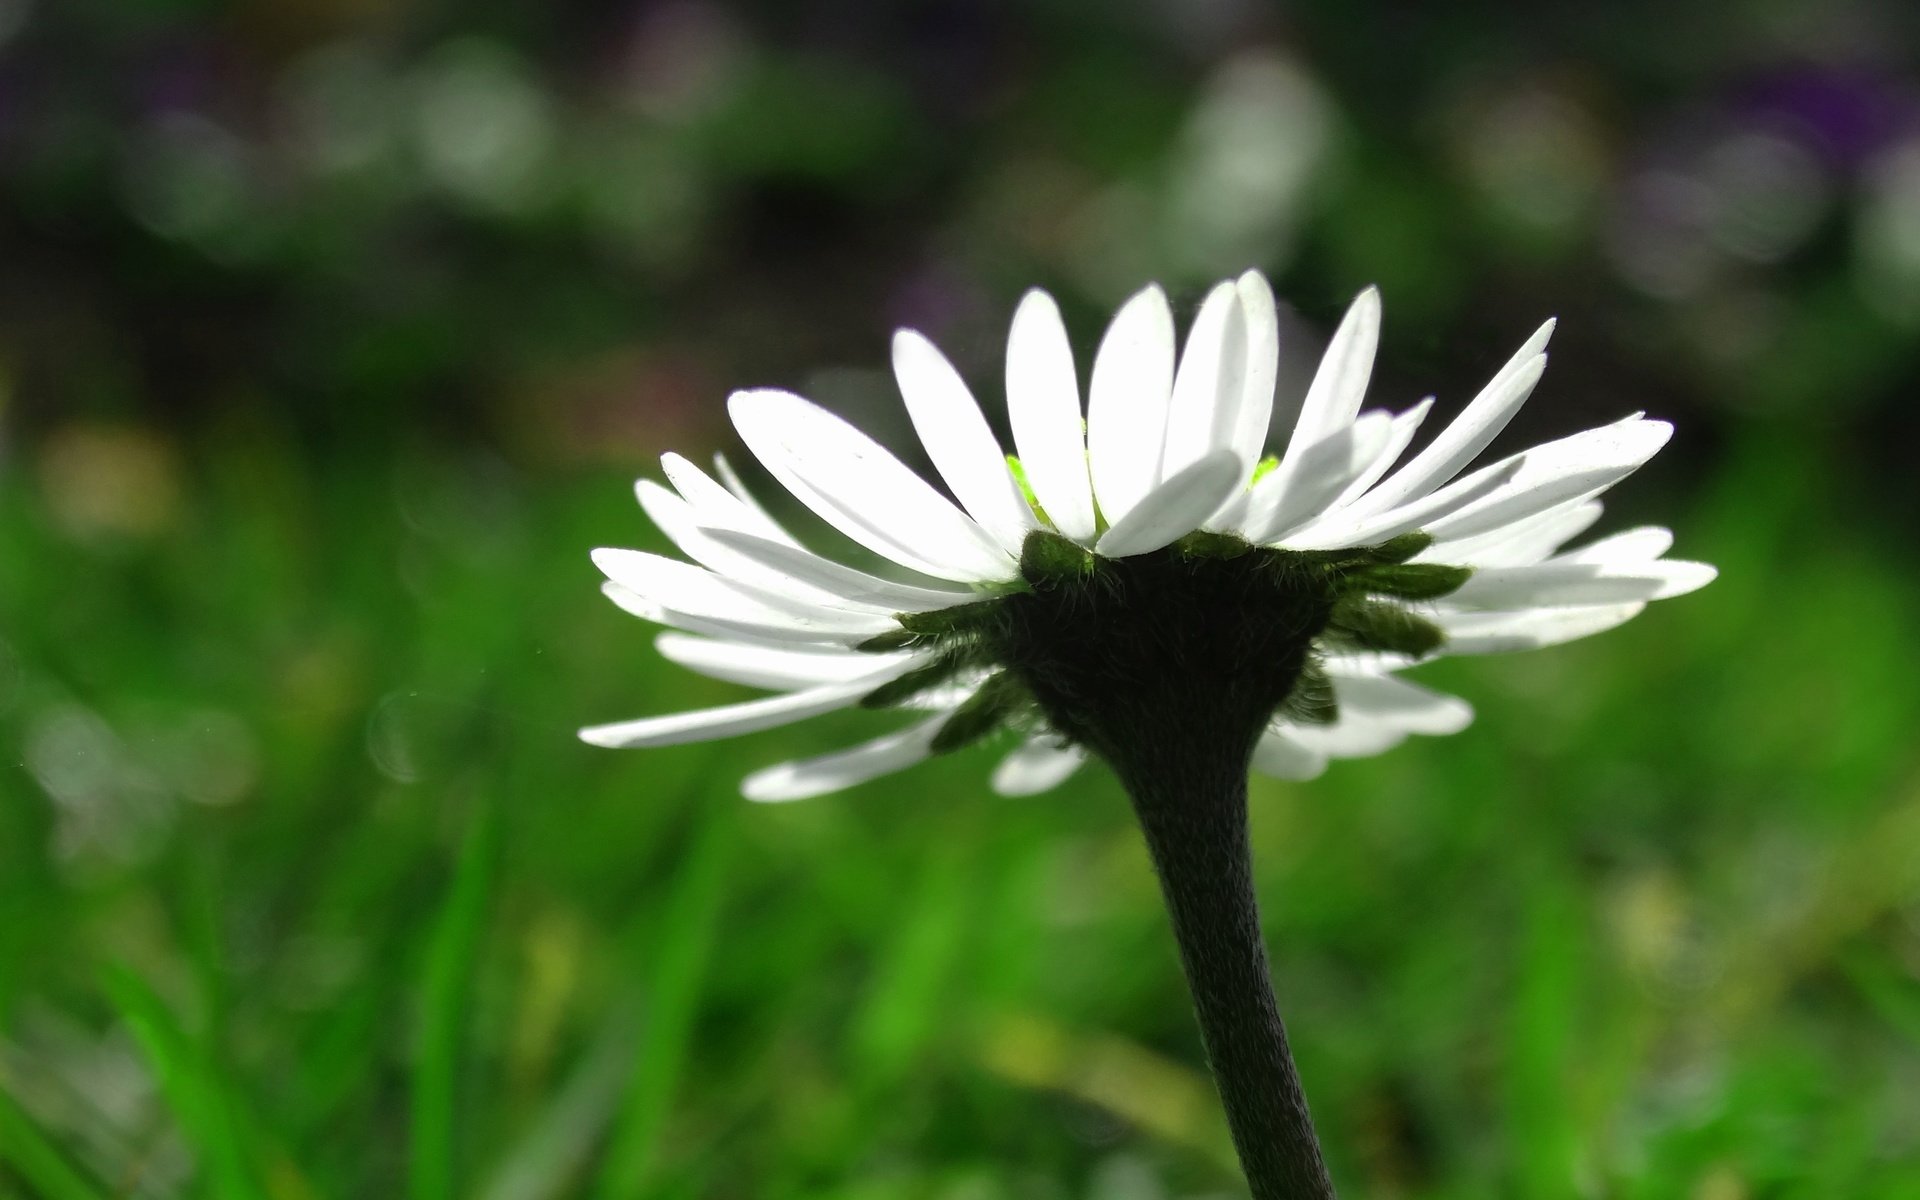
[1649, 437]
[775, 785]
[1035, 768]
[1683, 577]
[910, 342]
[1450, 719]
[750, 402]
[607, 736]
[1036, 298]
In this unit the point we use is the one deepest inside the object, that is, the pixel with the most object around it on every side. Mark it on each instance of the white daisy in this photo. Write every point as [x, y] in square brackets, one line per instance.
[1141, 570]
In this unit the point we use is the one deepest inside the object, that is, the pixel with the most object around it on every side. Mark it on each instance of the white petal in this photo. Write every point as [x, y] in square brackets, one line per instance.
[1470, 432]
[1127, 403]
[811, 777]
[1680, 576]
[1500, 633]
[1560, 583]
[1643, 544]
[843, 581]
[678, 520]
[1350, 737]
[1518, 544]
[1334, 396]
[1231, 516]
[1399, 437]
[729, 507]
[1256, 413]
[684, 588]
[863, 491]
[947, 696]
[1278, 755]
[774, 631]
[1043, 405]
[767, 667]
[1559, 471]
[1340, 529]
[647, 610]
[1393, 701]
[731, 478]
[1175, 508]
[1209, 387]
[1285, 500]
[958, 440]
[1037, 765]
[727, 720]
[1364, 662]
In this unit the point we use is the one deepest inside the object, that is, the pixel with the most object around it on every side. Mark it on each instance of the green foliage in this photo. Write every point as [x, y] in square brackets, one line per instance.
[197, 1092]
[35, 1161]
[446, 982]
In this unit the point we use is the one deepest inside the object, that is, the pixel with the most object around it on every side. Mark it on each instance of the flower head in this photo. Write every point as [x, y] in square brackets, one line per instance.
[1147, 573]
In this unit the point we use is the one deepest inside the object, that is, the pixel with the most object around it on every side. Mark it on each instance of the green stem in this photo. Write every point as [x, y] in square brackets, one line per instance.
[1193, 811]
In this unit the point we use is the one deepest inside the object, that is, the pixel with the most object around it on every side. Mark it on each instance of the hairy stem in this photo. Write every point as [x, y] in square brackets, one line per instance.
[1194, 814]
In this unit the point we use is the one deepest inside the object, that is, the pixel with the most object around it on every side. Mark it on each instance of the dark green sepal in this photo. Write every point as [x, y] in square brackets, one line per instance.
[1379, 625]
[1399, 549]
[905, 687]
[1409, 581]
[1204, 543]
[1393, 550]
[890, 641]
[1047, 557]
[1292, 572]
[982, 713]
[978, 616]
[1312, 700]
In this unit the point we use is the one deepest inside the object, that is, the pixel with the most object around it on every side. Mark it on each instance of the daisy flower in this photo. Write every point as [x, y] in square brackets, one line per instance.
[1146, 586]
[1148, 564]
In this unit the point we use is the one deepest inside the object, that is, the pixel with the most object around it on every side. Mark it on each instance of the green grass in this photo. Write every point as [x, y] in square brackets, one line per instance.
[446, 984]
[307, 890]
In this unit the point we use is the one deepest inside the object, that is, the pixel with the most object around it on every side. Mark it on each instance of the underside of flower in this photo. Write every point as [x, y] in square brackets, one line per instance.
[1143, 570]
[1105, 652]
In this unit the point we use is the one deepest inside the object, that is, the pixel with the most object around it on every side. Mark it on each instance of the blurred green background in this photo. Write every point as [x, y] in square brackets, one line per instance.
[333, 331]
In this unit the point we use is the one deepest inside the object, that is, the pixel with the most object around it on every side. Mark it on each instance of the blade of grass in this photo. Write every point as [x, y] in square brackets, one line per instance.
[1544, 1047]
[35, 1161]
[547, 1160]
[451, 949]
[672, 978]
[195, 1094]
[907, 998]
[1888, 990]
